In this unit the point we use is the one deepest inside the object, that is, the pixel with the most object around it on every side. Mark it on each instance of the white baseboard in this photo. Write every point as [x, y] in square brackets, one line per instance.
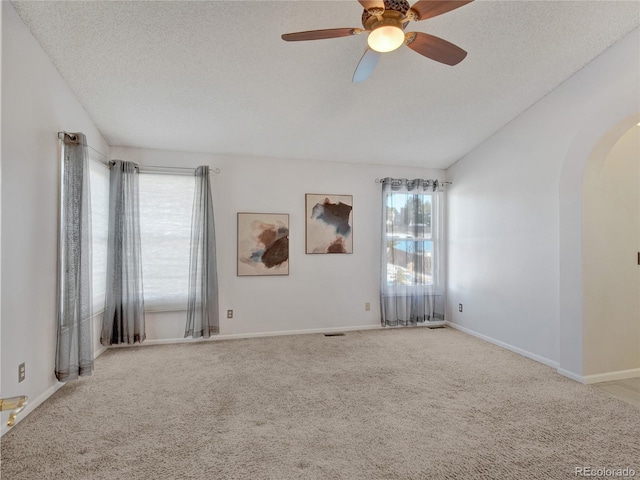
[585, 379]
[99, 351]
[32, 405]
[601, 377]
[519, 351]
[233, 336]
[571, 375]
[611, 376]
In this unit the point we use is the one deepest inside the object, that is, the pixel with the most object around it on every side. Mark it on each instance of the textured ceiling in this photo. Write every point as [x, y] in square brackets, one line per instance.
[216, 77]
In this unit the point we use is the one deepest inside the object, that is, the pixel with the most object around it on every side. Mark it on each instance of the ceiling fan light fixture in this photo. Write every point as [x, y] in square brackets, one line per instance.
[386, 37]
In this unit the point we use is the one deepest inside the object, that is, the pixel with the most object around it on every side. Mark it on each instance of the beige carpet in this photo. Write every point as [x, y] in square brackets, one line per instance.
[407, 403]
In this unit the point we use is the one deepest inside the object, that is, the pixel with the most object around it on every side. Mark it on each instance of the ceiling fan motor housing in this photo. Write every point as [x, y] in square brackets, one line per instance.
[394, 13]
[400, 6]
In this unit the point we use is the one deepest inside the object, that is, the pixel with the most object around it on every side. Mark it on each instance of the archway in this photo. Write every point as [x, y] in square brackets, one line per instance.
[611, 277]
[595, 140]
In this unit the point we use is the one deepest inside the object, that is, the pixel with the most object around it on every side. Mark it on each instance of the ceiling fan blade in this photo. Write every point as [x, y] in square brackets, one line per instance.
[432, 8]
[366, 65]
[435, 48]
[369, 4]
[321, 34]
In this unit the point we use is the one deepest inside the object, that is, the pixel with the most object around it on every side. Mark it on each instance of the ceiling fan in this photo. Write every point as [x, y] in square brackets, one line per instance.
[385, 20]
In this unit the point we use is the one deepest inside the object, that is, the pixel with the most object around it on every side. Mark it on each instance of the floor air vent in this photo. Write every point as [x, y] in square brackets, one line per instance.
[334, 334]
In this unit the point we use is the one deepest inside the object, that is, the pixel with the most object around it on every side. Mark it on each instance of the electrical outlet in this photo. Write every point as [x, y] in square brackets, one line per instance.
[229, 313]
[459, 307]
[22, 372]
[367, 306]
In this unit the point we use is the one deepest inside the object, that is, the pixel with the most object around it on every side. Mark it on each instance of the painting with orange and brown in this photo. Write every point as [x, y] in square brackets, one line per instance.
[263, 244]
[329, 223]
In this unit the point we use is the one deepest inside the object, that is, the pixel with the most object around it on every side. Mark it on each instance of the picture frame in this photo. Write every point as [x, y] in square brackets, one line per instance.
[328, 223]
[263, 244]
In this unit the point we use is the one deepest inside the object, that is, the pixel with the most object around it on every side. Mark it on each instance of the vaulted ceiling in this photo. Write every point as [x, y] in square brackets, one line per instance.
[215, 76]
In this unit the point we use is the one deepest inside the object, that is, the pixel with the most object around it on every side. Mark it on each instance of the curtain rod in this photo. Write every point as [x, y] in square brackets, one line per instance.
[379, 180]
[141, 168]
[73, 137]
[169, 170]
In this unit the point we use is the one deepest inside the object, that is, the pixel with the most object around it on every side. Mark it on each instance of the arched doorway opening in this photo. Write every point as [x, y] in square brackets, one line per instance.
[593, 143]
[610, 270]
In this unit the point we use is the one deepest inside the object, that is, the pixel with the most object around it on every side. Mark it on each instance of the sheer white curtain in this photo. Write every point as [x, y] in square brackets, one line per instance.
[123, 320]
[202, 311]
[74, 346]
[412, 275]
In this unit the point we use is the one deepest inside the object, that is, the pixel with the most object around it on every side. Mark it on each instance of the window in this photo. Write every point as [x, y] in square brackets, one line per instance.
[410, 237]
[166, 203]
[99, 191]
[412, 287]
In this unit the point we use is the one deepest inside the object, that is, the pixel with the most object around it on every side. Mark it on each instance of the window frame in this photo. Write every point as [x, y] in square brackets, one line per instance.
[430, 239]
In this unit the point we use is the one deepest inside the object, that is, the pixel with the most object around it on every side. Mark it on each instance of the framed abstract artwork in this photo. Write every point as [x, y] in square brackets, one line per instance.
[329, 223]
[263, 244]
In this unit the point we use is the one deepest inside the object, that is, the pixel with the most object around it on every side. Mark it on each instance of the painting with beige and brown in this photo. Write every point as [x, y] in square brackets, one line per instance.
[263, 244]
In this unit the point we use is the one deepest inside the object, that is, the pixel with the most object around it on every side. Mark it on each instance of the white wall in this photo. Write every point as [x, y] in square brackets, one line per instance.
[36, 104]
[321, 292]
[611, 276]
[504, 212]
